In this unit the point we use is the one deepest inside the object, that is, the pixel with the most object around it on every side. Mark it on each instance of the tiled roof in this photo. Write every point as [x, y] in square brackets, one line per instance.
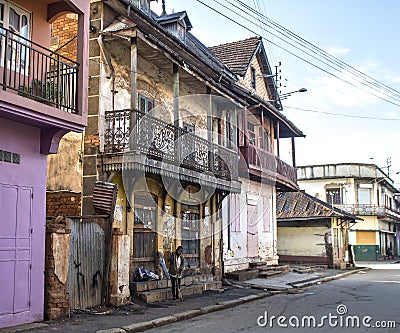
[237, 55]
[300, 205]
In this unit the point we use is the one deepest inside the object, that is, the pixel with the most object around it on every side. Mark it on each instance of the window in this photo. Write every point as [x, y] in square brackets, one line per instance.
[17, 20]
[254, 134]
[190, 233]
[253, 77]
[228, 130]
[188, 127]
[145, 104]
[364, 194]
[266, 140]
[333, 196]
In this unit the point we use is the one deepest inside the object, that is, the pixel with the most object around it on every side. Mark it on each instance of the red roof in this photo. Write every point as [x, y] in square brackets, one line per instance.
[237, 55]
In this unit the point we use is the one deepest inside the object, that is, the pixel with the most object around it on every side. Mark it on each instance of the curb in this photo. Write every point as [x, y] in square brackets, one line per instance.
[328, 278]
[143, 326]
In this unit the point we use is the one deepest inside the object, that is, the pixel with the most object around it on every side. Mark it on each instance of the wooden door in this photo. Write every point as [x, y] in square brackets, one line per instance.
[252, 231]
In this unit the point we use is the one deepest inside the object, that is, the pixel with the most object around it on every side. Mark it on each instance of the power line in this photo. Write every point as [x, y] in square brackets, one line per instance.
[292, 53]
[341, 114]
[325, 54]
[312, 49]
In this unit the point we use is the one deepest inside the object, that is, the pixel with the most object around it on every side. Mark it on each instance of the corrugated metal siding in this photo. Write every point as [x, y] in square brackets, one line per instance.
[86, 265]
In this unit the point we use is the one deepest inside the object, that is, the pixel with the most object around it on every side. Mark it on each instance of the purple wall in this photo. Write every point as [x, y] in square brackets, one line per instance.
[17, 182]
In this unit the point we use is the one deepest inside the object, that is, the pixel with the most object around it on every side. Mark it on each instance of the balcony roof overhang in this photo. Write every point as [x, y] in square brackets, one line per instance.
[141, 163]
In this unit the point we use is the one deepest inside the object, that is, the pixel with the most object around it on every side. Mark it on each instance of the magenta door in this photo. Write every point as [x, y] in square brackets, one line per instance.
[15, 249]
[252, 231]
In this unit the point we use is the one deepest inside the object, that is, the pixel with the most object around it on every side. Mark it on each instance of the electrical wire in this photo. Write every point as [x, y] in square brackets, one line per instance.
[279, 28]
[297, 56]
[341, 114]
[363, 82]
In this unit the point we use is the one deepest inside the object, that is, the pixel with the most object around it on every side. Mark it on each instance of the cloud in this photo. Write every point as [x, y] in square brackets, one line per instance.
[337, 51]
[395, 79]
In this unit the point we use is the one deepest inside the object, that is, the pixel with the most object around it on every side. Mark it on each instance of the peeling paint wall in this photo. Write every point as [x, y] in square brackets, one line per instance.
[302, 241]
[236, 257]
[64, 170]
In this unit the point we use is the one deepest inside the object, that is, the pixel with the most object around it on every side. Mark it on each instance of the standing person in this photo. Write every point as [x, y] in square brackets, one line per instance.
[176, 263]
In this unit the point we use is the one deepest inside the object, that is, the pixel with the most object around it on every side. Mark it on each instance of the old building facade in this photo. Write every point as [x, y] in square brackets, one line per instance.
[249, 218]
[363, 190]
[43, 97]
[325, 228]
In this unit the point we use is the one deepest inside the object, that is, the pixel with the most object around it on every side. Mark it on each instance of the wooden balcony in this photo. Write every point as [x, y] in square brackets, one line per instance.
[262, 165]
[161, 141]
[37, 73]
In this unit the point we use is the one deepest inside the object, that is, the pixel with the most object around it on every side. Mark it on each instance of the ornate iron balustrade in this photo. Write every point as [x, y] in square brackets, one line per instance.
[161, 140]
[370, 210]
[38, 73]
[261, 159]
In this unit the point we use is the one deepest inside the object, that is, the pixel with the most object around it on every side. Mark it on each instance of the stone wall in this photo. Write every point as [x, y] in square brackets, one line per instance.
[56, 303]
[63, 203]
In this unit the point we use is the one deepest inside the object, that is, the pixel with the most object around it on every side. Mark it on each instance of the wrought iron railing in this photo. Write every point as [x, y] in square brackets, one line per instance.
[370, 210]
[261, 159]
[161, 140]
[37, 73]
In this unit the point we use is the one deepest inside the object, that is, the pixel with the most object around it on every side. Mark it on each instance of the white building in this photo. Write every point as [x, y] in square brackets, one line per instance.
[363, 190]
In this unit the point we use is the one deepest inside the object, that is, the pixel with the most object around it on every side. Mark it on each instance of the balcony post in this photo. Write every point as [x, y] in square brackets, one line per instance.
[175, 72]
[262, 130]
[132, 122]
[210, 131]
[5, 60]
[277, 139]
[293, 152]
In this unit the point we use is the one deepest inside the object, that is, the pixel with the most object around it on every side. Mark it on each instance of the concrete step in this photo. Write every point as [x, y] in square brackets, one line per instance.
[268, 274]
[162, 284]
[243, 275]
[158, 295]
[280, 268]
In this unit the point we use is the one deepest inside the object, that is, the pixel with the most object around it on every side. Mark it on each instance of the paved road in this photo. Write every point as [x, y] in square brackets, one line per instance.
[373, 297]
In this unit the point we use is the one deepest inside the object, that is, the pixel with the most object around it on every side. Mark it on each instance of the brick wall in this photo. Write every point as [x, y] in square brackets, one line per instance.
[63, 203]
[56, 303]
[64, 32]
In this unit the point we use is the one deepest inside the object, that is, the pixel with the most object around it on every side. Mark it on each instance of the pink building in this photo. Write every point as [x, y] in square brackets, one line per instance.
[43, 96]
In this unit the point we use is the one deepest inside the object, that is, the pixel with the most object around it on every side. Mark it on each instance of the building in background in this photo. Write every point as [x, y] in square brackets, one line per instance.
[311, 231]
[43, 97]
[363, 190]
[249, 218]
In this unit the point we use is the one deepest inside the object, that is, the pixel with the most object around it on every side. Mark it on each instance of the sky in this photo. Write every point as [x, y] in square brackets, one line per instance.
[363, 34]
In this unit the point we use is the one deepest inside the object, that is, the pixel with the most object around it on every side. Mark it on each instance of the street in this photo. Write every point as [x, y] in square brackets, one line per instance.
[372, 297]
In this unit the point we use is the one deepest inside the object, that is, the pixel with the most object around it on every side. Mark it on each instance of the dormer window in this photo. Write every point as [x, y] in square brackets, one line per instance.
[253, 77]
[177, 24]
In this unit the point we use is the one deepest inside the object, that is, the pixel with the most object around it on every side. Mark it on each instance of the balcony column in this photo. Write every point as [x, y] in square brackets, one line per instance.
[175, 73]
[210, 130]
[134, 60]
[293, 152]
[175, 92]
[262, 130]
[277, 139]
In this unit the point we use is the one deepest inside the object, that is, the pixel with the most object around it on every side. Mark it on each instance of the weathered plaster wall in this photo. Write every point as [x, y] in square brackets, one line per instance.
[291, 241]
[64, 170]
[236, 257]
